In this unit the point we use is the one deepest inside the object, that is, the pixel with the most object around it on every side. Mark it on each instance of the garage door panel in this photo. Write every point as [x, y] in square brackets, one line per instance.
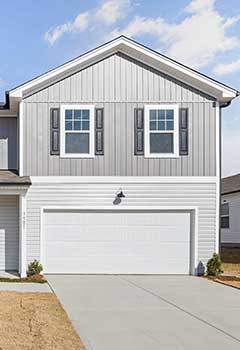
[122, 249]
[110, 242]
[122, 218]
[83, 235]
[117, 233]
[100, 266]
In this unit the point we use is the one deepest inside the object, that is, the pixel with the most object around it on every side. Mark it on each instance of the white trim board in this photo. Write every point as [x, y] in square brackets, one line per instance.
[13, 190]
[191, 209]
[218, 173]
[20, 123]
[139, 52]
[122, 179]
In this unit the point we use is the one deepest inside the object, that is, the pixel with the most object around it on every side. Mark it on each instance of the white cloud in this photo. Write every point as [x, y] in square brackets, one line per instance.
[197, 6]
[107, 13]
[80, 23]
[195, 41]
[227, 68]
[112, 10]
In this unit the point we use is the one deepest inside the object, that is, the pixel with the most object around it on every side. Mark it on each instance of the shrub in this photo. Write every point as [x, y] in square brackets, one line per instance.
[34, 268]
[214, 265]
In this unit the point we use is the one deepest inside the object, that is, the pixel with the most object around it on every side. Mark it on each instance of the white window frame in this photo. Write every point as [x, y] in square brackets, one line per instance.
[63, 132]
[175, 132]
[225, 216]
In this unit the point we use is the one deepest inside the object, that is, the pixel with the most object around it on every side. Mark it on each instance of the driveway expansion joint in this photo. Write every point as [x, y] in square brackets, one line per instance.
[180, 309]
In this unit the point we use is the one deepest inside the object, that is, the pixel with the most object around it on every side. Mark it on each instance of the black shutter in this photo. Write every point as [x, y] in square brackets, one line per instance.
[55, 131]
[139, 131]
[99, 132]
[183, 131]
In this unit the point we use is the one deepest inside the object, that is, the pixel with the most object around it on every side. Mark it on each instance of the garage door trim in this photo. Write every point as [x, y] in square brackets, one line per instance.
[193, 223]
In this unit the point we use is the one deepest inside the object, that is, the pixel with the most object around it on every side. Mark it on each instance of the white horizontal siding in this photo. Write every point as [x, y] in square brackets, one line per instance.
[201, 195]
[9, 227]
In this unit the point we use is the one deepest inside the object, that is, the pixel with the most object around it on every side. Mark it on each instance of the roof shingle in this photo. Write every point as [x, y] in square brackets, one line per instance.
[230, 184]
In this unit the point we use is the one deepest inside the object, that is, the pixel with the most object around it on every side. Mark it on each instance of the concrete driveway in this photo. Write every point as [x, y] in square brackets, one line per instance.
[150, 312]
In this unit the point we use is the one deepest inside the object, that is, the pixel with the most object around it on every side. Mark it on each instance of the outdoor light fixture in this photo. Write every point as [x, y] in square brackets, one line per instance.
[118, 197]
[120, 194]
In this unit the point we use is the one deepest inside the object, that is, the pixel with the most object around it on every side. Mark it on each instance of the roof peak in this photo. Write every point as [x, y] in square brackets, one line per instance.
[144, 54]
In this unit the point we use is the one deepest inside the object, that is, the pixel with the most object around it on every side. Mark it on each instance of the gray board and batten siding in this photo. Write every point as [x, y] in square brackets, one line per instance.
[8, 143]
[119, 84]
[9, 232]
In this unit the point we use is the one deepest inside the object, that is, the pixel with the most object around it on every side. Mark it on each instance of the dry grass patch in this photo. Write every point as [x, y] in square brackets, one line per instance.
[35, 321]
[231, 269]
[230, 281]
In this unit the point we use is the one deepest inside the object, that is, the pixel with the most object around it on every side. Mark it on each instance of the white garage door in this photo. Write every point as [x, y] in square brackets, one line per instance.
[119, 242]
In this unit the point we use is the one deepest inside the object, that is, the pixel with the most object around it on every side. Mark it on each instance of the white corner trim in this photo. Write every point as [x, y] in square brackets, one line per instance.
[218, 174]
[20, 151]
[22, 236]
[175, 132]
[42, 180]
[13, 190]
[192, 209]
[91, 108]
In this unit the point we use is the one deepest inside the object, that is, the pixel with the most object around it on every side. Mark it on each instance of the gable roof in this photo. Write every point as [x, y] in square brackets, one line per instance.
[221, 92]
[230, 184]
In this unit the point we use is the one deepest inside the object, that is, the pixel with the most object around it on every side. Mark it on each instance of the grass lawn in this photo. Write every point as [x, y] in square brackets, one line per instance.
[35, 321]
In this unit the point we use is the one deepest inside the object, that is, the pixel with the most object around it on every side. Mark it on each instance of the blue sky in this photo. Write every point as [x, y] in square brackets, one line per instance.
[204, 34]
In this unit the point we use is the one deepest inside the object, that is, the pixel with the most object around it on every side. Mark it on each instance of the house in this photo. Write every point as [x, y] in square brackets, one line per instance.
[230, 211]
[110, 164]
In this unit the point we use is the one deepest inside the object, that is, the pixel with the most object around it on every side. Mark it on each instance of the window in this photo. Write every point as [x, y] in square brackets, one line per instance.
[225, 215]
[77, 131]
[161, 131]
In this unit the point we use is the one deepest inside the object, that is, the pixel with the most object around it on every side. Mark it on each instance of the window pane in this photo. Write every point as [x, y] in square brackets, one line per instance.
[85, 114]
[225, 222]
[68, 114]
[169, 113]
[161, 125]
[169, 125]
[225, 209]
[153, 125]
[161, 143]
[77, 143]
[77, 114]
[161, 114]
[85, 125]
[153, 114]
[68, 125]
[77, 125]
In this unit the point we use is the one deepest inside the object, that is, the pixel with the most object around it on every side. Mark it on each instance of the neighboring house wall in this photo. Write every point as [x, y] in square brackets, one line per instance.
[8, 143]
[140, 194]
[232, 234]
[119, 84]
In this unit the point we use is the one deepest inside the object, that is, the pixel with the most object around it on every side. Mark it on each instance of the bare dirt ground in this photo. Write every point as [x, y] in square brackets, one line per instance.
[230, 254]
[35, 321]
